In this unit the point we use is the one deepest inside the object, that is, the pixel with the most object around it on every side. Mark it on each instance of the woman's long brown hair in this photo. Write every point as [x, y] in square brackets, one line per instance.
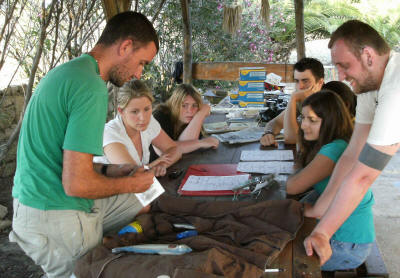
[336, 124]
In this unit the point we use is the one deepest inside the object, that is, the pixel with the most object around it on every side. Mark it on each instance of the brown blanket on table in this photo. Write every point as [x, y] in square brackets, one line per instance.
[236, 239]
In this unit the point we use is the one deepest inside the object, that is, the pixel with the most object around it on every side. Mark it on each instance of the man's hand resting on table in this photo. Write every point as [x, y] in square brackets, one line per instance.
[319, 243]
[268, 140]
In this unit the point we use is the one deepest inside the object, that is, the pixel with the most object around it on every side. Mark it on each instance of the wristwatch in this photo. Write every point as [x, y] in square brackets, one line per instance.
[104, 169]
[268, 131]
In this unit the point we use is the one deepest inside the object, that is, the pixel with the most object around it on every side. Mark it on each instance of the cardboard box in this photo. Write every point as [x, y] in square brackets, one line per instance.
[252, 74]
[251, 86]
[234, 98]
[245, 104]
[251, 96]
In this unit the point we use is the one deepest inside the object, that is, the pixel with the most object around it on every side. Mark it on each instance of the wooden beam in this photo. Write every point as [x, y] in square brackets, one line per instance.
[299, 16]
[229, 71]
[113, 7]
[187, 42]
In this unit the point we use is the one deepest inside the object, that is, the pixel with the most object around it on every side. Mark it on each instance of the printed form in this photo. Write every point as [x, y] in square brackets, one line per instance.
[266, 167]
[214, 183]
[266, 155]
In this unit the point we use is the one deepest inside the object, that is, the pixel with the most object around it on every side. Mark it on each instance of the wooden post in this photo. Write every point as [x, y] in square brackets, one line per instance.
[113, 7]
[299, 16]
[187, 42]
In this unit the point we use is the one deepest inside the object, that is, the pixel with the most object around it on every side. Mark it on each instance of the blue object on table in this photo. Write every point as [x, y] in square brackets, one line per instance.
[133, 227]
[186, 234]
[161, 249]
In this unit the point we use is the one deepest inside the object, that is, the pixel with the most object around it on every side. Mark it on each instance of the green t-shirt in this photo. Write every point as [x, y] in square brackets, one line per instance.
[67, 111]
[359, 227]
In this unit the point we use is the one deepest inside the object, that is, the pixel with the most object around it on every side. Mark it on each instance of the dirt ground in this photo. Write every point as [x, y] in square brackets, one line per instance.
[14, 262]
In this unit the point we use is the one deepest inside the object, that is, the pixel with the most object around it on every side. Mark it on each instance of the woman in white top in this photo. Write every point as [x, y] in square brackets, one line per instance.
[128, 136]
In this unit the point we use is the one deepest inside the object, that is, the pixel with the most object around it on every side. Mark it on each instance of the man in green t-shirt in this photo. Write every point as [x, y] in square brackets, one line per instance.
[63, 203]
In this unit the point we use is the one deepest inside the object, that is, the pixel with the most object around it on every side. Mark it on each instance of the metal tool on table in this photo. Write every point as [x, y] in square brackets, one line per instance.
[255, 184]
[274, 270]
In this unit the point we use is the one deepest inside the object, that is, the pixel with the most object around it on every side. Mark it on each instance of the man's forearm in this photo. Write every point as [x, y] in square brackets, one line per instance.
[95, 186]
[275, 125]
[114, 170]
[80, 178]
[290, 124]
[347, 199]
[345, 164]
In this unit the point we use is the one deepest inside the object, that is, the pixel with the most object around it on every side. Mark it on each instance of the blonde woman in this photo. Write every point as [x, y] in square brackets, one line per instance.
[127, 137]
[182, 117]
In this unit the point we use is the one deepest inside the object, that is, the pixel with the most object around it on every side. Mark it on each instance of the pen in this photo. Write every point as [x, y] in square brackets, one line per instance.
[145, 167]
[273, 270]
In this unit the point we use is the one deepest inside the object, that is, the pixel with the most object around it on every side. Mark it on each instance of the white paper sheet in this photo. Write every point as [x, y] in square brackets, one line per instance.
[216, 127]
[219, 127]
[266, 167]
[214, 183]
[251, 134]
[150, 194]
[266, 155]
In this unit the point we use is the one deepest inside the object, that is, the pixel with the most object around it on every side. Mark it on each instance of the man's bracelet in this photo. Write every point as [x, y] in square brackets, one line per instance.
[104, 169]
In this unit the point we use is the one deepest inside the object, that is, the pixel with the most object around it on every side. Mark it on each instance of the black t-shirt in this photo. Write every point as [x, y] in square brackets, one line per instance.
[163, 115]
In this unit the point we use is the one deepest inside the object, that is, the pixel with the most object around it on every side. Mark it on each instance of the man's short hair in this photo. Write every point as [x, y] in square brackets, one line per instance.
[129, 25]
[357, 35]
[315, 66]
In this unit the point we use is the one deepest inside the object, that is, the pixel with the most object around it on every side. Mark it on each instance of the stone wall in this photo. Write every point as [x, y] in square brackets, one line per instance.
[11, 105]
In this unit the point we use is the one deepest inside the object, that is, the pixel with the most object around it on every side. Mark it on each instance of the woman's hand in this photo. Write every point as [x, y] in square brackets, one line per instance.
[165, 158]
[205, 110]
[159, 170]
[210, 142]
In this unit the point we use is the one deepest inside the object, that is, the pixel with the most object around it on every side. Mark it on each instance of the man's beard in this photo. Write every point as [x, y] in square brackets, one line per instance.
[368, 84]
[115, 76]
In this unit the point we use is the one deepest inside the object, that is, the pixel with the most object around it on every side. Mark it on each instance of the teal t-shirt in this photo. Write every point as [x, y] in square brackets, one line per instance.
[66, 112]
[359, 227]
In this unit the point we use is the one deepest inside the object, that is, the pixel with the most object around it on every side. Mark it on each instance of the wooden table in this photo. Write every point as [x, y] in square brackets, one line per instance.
[293, 259]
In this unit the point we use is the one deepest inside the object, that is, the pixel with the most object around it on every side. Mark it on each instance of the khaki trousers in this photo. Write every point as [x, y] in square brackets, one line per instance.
[55, 239]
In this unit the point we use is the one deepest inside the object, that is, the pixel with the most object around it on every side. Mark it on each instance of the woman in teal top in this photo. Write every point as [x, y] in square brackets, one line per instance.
[326, 128]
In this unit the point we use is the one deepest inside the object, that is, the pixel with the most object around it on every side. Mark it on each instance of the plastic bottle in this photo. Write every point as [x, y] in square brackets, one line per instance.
[133, 227]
